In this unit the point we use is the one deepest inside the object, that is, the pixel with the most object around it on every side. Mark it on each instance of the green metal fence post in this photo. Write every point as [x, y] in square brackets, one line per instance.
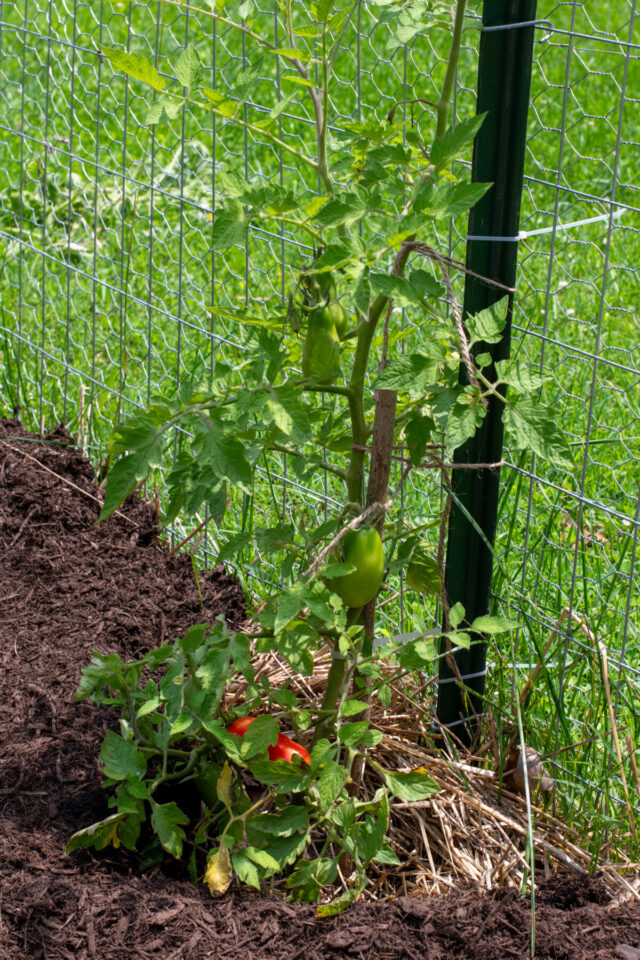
[504, 80]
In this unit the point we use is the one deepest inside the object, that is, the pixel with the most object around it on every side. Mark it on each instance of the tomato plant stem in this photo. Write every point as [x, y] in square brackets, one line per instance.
[442, 108]
[333, 690]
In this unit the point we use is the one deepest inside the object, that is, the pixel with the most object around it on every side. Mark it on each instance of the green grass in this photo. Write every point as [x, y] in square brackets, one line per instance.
[107, 288]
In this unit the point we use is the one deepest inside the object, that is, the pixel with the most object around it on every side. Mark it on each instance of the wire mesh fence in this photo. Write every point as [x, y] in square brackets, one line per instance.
[112, 291]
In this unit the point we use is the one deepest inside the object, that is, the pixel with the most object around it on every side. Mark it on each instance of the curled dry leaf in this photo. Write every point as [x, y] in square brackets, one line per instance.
[514, 774]
[219, 872]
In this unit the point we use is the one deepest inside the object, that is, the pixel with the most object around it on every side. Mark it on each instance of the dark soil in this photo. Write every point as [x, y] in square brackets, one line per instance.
[69, 587]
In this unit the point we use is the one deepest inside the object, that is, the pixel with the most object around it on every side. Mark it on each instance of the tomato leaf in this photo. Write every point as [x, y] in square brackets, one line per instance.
[412, 372]
[219, 873]
[412, 786]
[166, 819]
[260, 735]
[188, 67]
[456, 615]
[136, 66]
[98, 835]
[344, 900]
[121, 758]
[448, 146]
[488, 325]
[296, 644]
[145, 440]
[281, 774]
[492, 625]
[520, 375]
[330, 784]
[290, 603]
[310, 876]
[290, 819]
[223, 786]
[534, 427]
[352, 733]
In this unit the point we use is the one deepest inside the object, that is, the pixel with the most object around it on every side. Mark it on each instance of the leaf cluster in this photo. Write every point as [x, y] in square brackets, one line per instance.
[258, 817]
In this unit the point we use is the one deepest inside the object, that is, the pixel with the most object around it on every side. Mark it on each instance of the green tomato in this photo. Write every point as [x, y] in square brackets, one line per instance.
[362, 549]
[320, 289]
[339, 316]
[321, 292]
[321, 349]
[423, 573]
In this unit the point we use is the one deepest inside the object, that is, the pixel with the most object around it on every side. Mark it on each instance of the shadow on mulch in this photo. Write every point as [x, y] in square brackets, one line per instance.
[69, 587]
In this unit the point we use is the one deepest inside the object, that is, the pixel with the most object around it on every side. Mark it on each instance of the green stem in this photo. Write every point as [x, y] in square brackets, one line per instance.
[359, 429]
[323, 162]
[333, 690]
[328, 388]
[244, 816]
[442, 108]
[251, 127]
[133, 719]
[327, 713]
[293, 452]
[177, 774]
[247, 31]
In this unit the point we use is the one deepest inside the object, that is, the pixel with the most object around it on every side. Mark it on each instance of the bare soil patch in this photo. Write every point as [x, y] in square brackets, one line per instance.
[69, 587]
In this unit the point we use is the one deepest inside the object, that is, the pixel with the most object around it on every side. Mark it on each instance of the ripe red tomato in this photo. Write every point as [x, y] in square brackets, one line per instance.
[241, 725]
[283, 749]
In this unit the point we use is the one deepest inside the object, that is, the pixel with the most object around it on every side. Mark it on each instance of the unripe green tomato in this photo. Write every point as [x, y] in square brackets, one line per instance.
[339, 316]
[330, 291]
[321, 347]
[362, 549]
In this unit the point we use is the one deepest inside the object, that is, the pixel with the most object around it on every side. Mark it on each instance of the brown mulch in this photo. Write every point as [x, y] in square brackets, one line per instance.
[69, 587]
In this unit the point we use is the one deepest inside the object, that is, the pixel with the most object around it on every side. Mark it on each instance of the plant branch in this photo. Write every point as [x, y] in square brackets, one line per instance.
[293, 452]
[260, 132]
[442, 109]
[328, 388]
[247, 31]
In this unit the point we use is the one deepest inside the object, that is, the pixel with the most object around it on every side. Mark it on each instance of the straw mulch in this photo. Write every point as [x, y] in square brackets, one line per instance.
[475, 830]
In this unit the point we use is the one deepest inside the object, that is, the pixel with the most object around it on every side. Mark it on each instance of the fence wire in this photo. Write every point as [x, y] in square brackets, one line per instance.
[109, 285]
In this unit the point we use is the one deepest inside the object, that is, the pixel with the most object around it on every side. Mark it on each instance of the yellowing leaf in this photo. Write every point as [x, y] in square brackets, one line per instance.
[219, 872]
[223, 787]
[314, 205]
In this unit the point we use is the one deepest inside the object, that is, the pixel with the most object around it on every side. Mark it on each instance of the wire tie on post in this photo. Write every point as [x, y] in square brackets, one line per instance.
[465, 676]
[525, 234]
[523, 23]
[496, 239]
[456, 723]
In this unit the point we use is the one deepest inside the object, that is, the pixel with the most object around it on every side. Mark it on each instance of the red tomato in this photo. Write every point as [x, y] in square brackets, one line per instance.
[283, 749]
[240, 726]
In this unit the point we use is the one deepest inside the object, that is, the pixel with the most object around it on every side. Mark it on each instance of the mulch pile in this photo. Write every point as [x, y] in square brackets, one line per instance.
[69, 587]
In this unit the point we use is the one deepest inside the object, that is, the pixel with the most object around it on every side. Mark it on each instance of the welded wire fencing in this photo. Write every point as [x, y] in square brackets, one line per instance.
[112, 291]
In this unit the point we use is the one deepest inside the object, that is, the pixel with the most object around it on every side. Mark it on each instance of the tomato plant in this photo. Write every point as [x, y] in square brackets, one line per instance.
[316, 377]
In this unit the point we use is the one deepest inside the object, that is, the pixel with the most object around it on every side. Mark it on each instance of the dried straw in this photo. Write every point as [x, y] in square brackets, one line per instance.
[473, 832]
